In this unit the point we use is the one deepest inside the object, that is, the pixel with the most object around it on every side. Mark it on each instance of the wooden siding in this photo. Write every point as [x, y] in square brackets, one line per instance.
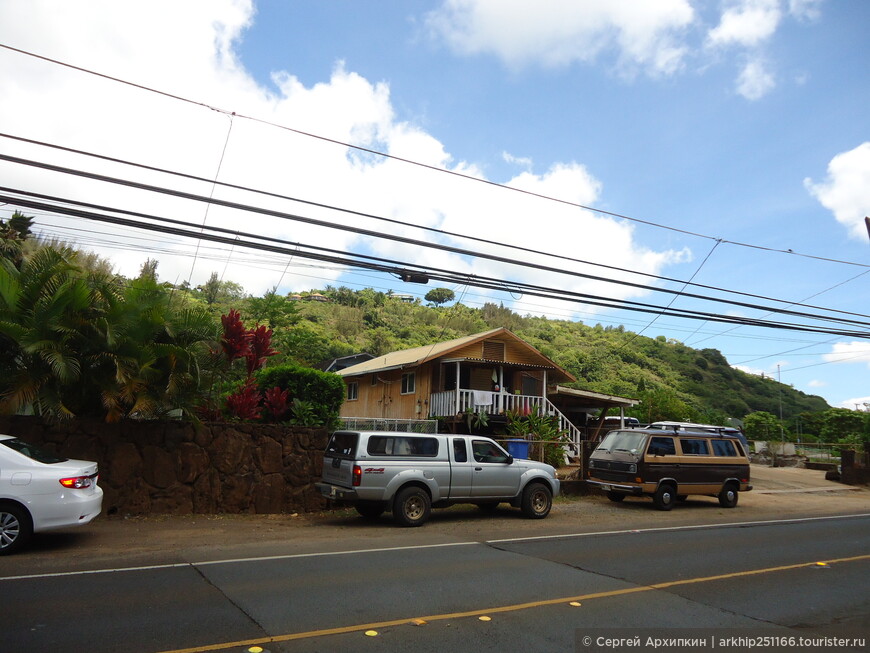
[385, 398]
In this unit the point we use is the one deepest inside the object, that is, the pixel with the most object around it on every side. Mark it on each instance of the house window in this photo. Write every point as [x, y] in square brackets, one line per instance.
[409, 384]
[352, 391]
[374, 379]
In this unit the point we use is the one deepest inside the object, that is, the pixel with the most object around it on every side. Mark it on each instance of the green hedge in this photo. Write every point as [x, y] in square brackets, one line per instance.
[324, 391]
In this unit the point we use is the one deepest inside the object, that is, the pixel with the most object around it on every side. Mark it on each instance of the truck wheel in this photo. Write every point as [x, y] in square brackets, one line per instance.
[412, 506]
[664, 497]
[616, 497]
[15, 527]
[370, 509]
[536, 501]
[728, 496]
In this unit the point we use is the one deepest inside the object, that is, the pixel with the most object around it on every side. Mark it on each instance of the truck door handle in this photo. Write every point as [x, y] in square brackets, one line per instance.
[478, 469]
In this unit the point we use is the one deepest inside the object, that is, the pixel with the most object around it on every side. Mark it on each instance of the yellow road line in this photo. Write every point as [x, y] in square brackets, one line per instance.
[506, 608]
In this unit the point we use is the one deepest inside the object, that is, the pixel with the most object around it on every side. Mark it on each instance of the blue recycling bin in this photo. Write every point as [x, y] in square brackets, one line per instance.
[518, 448]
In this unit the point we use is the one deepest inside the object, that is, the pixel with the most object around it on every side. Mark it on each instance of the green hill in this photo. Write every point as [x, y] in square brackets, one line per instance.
[674, 381]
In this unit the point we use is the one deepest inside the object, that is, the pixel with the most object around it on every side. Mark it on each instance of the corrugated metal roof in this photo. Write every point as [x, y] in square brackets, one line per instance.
[419, 355]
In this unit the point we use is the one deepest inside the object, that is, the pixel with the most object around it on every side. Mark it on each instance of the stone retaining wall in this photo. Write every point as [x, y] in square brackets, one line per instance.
[170, 467]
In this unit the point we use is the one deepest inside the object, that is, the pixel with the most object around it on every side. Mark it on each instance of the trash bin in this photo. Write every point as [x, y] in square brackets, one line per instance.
[518, 448]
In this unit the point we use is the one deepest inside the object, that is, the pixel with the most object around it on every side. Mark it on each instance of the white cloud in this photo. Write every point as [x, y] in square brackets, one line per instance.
[846, 191]
[747, 23]
[805, 9]
[857, 403]
[754, 81]
[561, 32]
[849, 352]
[521, 161]
[817, 383]
[193, 55]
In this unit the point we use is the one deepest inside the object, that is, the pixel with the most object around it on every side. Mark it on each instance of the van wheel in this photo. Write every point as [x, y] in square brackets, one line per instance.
[536, 501]
[728, 496]
[370, 509]
[412, 506]
[15, 528]
[616, 497]
[664, 497]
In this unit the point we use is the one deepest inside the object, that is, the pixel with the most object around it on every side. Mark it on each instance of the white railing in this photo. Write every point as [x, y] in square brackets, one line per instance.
[452, 402]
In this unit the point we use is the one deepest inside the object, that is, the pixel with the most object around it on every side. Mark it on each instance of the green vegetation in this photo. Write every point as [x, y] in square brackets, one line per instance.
[77, 339]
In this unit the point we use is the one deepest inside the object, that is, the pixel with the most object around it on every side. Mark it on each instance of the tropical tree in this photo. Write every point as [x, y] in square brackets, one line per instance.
[761, 425]
[440, 296]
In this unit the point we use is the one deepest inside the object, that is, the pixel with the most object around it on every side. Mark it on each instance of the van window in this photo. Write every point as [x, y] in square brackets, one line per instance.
[723, 448]
[692, 447]
[398, 445]
[342, 443]
[659, 446]
[621, 441]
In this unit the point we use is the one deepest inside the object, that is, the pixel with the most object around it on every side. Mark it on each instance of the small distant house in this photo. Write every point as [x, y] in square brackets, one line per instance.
[491, 372]
[408, 299]
[336, 364]
[316, 297]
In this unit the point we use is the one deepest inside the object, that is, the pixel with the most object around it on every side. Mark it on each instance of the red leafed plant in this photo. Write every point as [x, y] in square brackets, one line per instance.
[236, 341]
[276, 402]
[259, 348]
[245, 402]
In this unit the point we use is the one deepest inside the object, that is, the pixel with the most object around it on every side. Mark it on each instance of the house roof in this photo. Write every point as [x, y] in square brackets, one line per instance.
[581, 398]
[407, 358]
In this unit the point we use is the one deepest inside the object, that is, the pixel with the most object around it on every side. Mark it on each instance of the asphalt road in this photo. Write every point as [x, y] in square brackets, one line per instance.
[506, 594]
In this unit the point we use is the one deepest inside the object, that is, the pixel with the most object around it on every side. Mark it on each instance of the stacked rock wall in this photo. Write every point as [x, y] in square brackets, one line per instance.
[171, 467]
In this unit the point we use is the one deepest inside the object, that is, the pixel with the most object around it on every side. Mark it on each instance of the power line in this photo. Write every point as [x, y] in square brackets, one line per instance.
[398, 268]
[412, 162]
[393, 237]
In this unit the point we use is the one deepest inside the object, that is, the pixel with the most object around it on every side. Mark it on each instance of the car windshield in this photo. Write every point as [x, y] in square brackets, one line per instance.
[626, 441]
[32, 452]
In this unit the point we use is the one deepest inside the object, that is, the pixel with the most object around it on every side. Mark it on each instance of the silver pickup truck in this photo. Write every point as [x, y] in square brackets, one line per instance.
[410, 474]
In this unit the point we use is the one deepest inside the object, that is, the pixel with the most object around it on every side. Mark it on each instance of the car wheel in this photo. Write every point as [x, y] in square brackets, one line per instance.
[616, 497]
[536, 501]
[370, 509]
[664, 497]
[15, 528]
[728, 496]
[412, 506]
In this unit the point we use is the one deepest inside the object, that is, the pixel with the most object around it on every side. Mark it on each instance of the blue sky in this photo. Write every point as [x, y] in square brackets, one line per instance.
[726, 132]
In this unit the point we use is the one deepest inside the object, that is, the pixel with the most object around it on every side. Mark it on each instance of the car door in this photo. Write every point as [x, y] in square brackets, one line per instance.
[494, 474]
[461, 469]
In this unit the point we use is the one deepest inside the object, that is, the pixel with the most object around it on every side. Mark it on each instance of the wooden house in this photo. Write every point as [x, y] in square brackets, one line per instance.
[491, 372]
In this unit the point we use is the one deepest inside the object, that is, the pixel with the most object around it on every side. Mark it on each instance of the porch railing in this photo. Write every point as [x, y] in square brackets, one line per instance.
[451, 402]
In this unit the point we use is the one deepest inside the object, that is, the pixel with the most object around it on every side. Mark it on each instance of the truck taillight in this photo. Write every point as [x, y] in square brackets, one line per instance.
[357, 475]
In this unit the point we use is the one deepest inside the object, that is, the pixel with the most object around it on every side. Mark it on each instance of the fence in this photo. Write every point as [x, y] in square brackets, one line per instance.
[386, 424]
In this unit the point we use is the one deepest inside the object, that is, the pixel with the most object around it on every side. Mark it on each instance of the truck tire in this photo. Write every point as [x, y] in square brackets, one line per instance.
[412, 506]
[536, 501]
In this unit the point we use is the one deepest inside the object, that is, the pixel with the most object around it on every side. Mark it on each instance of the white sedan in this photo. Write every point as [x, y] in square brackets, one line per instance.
[41, 492]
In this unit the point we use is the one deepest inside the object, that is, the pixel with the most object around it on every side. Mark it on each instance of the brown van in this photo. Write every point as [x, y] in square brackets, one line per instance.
[669, 465]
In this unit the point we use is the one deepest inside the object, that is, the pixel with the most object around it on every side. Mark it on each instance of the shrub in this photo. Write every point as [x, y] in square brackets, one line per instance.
[324, 391]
